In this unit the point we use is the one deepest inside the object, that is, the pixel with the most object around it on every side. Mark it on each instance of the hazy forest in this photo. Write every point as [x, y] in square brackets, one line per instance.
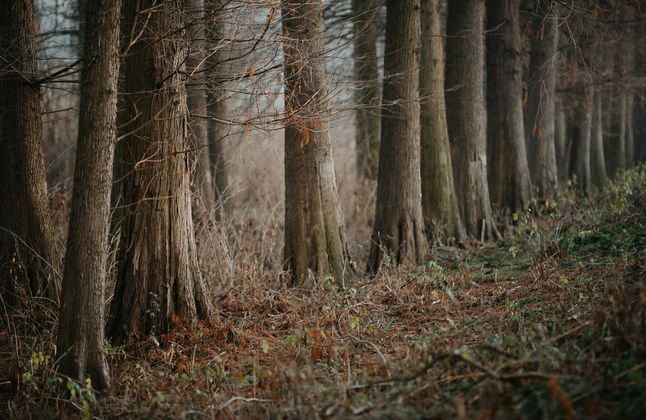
[322, 209]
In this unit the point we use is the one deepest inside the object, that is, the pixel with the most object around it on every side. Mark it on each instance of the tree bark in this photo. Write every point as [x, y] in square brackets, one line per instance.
[81, 320]
[314, 231]
[203, 187]
[540, 112]
[439, 202]
[580, 154]
[218, 129]
[29, 251]
[466, 113]
[509, 182]
[158, 278]
[597, 160]
[561, 139]
[368, 119]
[399, 224]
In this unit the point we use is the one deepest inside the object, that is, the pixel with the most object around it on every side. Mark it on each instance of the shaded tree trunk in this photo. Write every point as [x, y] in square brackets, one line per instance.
[597, 159]
[314, 231]
[158, 278]
[580, 154]
[29, 251]
[366, 71]
[508, 171]
[466, 113]
[196, 99]
[399, 224]
[540, 112]
[630, 130]
[561, 140]
[439, 202]
[81, 320]
[218, 129]
[616, 145]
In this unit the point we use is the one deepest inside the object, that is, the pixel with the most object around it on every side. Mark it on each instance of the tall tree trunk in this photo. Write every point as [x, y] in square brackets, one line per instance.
[561, 139]
[616, 146]
[399, 224]
[196, 99]
[630, 130]
[29, 251]
[81, 320]
[158, 276]
[580, 154]
[540, 111]
[509, 182]
[597, 159]
[466, 113]
[439, 202]
[218, 129]
[314, 231]
[366, 70]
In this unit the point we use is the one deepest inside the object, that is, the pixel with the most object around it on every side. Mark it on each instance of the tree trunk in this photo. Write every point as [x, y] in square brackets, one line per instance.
[561, 139]
[196, 99]
[314, 231]
[597, 159]
[218, 129]
[81, 320]
[366, 70]
[616, 146]
[580, 154]
[509, 182]
[540, 112]
[29, 251]
[399, 224]
[466, 113]
[630, 130]
[158, 276]
[439, 202]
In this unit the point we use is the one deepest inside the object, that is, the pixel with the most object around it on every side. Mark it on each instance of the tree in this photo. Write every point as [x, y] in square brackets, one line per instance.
[580, 155]
[439, 202]
[509, 182]
[196, 100]
[314, 231]
[597, 159]
[560, 138]
[158, 279]
[540, 113]
[466, 113]
[81, 320]
[29, 251]
[399, 225]
[367, 94]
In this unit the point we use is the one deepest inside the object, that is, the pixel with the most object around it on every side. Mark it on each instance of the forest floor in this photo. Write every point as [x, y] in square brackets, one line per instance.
[549, 323]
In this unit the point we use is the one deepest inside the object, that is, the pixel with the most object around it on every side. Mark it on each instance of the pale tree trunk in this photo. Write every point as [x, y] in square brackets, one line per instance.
[196, 99]
[561, 139]
[509, 183]
[158, 279]
[81, 320]
[580, 154]
[218, 128]
[597, 159]
[540, 112]
[467, 120]
[399, 224]
[366, 71]
[439, 202]
[314, 230]
[29, 251]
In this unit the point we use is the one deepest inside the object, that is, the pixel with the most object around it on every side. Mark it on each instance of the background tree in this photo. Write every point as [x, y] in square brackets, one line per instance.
[467, 120]
[29, 254]
[399, 225]
[367, 98]
[439, 202]
[597, 160]
[81, 320]
[580, 155]
[540, 113]
[158, 275]
[314, 231]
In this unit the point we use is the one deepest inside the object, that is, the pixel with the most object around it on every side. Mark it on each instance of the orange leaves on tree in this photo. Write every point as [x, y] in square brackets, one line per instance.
[252, 69]
[305, 133]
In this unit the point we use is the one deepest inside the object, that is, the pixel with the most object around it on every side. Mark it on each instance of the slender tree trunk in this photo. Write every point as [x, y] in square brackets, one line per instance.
[399, 224]
[597, 159]
[158, 276]
[314, 231]
[540, 112]
[561, 139]
[218, 129]
[81, 320]
[29, 251]
[196, 99]
[509, 182]
[439, 202]
[616, 146]
[466, 113]
[630, 130]
[580, 154]
[366, 70]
